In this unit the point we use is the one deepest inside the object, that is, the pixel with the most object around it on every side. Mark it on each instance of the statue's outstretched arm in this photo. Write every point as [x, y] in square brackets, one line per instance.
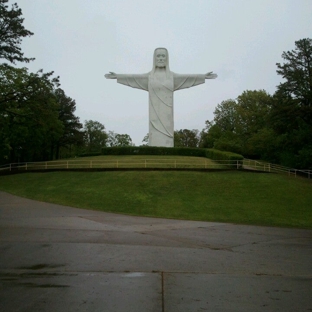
[138, 81]
[182, 81]
[210, 75]
[111, 75]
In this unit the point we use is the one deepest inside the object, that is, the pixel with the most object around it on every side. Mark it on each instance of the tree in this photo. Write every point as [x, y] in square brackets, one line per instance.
[253, 110]
[12, 32]
[237, 123]
[297, 71]
[225, 116]
[145, 140]
[72, 136]
[115, 139]
[186, 138]
[291, 116]
[18, 86]
[95, 135]
[29, 121]
[124, 140]
[111, 139]
[224, 131]
[209, 135]
[293, 98]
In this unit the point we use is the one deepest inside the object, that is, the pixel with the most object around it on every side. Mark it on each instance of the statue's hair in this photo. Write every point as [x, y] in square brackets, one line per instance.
[167, 62]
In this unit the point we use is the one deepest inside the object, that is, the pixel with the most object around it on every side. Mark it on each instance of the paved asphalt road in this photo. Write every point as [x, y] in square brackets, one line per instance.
[56, 258]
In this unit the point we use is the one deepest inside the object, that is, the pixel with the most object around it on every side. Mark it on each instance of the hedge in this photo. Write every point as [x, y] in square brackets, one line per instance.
[181, 151]
[222, 155]
[90, 154]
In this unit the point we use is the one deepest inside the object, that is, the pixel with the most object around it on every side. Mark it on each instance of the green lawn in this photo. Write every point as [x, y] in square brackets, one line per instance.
[127, 161]
[231, 196]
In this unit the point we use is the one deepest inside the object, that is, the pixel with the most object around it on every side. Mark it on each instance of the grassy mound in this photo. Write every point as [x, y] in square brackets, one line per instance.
[234, 196]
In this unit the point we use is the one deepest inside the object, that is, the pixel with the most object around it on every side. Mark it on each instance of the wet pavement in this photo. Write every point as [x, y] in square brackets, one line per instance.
[57, 258]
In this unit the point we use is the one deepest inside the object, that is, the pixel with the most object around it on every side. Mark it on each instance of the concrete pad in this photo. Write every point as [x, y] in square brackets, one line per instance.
[80, 292]
[222, 293]
[57, 258]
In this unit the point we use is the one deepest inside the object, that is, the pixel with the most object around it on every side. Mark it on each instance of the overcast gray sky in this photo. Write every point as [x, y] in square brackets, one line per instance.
[240, 40]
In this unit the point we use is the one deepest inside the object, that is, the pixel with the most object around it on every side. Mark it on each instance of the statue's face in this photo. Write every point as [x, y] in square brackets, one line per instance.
[161, 58]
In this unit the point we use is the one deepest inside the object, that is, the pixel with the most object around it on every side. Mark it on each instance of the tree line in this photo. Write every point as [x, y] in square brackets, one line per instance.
[276, 128]
[38, 121]
[37, 118]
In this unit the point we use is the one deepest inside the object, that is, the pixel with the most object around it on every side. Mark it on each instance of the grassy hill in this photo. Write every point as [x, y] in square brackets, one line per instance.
[233, 196]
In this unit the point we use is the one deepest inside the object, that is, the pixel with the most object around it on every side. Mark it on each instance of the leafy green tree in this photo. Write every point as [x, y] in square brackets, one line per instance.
[124, 140]
[224, 131]
[186, 138]
[72, 135]
[253, 109]
[293, 98]
[237, 123]
[207, 136]
[145, 140]
[111, 139]
[291, 115]
[94, 135]
[18, 86]
[12, 32]
[29, 121]
[115, 139]
[225, 116]
[297, 71]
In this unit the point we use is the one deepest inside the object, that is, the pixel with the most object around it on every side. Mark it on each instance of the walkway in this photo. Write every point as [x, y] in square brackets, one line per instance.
[56, 258]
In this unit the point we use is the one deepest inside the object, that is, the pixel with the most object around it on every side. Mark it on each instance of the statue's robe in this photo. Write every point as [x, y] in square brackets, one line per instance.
[161, 125]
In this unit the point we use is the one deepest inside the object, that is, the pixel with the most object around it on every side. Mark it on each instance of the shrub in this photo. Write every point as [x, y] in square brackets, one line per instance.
[90, 154]
[181, 151]
[215, 154]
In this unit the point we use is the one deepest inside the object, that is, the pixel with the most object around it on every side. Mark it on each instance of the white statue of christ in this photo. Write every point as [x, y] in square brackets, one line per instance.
[160, 83]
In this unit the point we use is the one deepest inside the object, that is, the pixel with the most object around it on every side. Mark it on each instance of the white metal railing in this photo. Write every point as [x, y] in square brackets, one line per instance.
[136, 163]
[268, 167]
[157, 163]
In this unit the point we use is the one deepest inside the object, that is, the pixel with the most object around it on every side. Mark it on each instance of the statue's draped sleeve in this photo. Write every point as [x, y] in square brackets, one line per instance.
[135, 81]
[182, 81]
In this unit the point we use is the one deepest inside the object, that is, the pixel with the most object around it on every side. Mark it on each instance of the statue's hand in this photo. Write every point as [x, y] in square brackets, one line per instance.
[210, 75]
[111, 75]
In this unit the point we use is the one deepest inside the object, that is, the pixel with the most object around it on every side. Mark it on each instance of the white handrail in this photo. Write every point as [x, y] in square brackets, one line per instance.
[269, 167]
[157, 163]
[140, 163]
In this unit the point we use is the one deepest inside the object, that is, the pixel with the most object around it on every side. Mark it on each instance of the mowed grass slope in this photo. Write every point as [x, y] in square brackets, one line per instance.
[130, 161]
[231, 196]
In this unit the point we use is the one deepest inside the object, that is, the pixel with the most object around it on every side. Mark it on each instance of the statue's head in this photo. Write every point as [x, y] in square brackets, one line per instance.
[161, 58]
